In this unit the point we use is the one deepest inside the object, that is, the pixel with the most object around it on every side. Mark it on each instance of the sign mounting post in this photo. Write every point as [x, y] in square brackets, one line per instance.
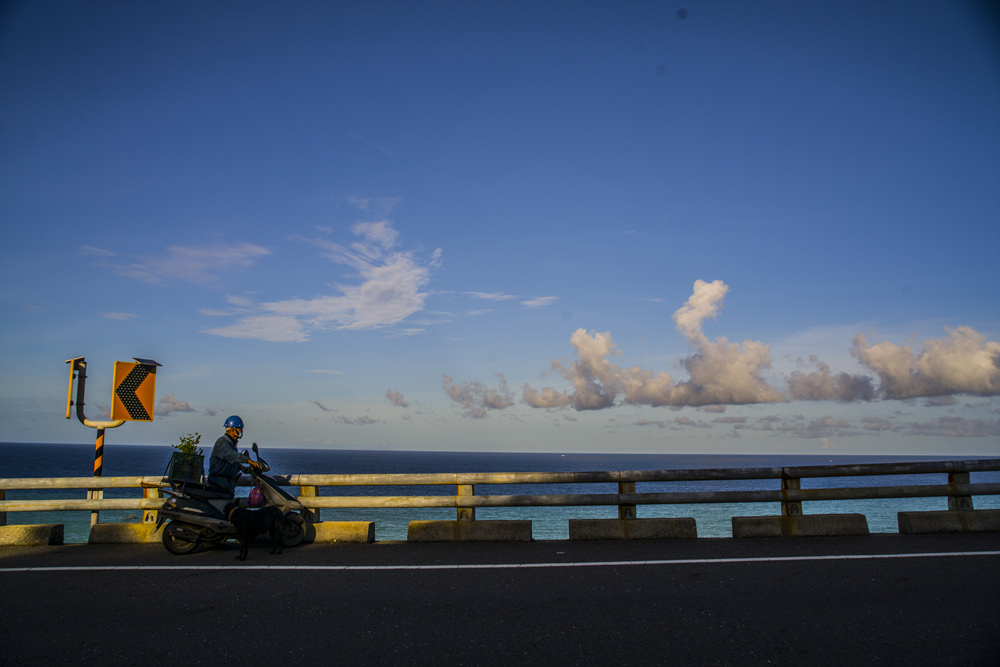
[132, 400]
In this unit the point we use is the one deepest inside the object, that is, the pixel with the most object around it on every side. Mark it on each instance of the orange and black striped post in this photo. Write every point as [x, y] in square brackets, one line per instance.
[97, 494]
[99, 453]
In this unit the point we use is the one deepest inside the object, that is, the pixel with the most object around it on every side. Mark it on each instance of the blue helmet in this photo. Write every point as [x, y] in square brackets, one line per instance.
[233, 422]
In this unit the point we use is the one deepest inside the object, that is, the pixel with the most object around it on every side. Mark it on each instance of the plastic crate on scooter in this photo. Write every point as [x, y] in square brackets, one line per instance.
[185, 469]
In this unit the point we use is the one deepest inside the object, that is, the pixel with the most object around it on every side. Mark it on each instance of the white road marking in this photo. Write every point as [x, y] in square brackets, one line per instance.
[498, 566]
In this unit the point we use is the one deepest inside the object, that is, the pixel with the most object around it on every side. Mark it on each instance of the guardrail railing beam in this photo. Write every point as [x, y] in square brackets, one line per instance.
[958, 489]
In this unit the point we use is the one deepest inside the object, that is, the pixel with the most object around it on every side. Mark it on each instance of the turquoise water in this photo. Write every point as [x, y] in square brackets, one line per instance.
[548, 523]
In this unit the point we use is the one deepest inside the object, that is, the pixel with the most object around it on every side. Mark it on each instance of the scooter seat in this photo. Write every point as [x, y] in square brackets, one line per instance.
[207, 493]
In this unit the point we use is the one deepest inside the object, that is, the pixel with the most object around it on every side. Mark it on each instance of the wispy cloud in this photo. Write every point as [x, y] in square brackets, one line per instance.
[91, 251]
[540, 301]
[200, 265]
[271, 328]
[955, 427]
[490, 296]
[363, 420]
[381, 206]
[388, 290]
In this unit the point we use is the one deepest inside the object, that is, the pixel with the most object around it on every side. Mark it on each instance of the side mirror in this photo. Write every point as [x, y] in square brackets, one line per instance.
[255, 450]
[246, 453]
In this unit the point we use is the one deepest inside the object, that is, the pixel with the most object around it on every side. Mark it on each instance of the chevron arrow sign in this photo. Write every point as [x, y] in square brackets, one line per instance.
[134, 392]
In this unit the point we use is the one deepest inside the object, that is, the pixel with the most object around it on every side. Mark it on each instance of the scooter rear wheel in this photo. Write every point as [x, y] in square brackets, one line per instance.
[293, 530]
[177, 545]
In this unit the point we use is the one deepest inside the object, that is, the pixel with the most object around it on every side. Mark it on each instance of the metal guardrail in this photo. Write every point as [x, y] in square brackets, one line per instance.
[957, 488]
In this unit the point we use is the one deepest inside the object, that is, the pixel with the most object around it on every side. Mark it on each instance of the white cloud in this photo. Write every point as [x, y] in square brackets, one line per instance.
[822, 385]
[377, 205]
[271, 328]
[91, 251]
[363, 420]
[121, 317]
[539, 302]
[477, 398]
[720, 372]
[170, 404]
[388, 291]
[704, 302]
[198, 265]
[490, 296]
[876, 424]
[723, 373]
[546, 398]
[964, 362]
[396, 398]
[956, 427]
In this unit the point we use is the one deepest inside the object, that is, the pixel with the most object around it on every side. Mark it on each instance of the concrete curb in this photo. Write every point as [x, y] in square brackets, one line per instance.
[632, 529]
[37, 535]
[469, 531]
[123, 533]
[945, 521]
[805, 525]
[356, 532]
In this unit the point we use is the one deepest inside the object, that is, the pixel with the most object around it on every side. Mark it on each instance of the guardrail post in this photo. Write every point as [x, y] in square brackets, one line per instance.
[626, 511]
[956, 502]
[149, 516]
[95, 515]
[311, 516]
[466, 513]
[3, 515]
[791, 508]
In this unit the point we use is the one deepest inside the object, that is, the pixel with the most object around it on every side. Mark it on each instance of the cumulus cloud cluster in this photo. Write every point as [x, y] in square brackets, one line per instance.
[721, 372]
[963, 363]
[477, 398]
[170, 404]
[396, 398]
[388, 289]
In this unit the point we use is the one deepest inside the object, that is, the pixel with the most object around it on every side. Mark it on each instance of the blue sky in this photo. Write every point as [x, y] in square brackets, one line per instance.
[766, 227]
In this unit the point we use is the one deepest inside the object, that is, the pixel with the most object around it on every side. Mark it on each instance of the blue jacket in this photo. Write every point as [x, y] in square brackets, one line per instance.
[224, 466]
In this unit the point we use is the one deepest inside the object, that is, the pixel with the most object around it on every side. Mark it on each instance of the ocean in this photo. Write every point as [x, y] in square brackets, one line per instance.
[713, 520]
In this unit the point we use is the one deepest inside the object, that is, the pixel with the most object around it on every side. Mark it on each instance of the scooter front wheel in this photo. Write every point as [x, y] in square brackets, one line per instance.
[175, 543]
[293, 530]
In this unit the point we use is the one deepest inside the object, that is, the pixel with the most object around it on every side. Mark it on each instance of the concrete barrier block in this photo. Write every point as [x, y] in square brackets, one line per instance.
[469, 531]
[948, 521]
[123, 533]
[37, 535]
[362, 532]
[805, 525]
[632, 529]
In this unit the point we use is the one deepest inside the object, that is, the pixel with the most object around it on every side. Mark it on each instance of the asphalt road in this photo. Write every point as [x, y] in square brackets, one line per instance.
[881, 599]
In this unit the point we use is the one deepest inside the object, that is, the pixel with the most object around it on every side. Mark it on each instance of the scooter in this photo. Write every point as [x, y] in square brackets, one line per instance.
[197, 515]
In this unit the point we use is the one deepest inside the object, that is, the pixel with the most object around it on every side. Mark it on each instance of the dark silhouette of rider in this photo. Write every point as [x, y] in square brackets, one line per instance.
[225, 465]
